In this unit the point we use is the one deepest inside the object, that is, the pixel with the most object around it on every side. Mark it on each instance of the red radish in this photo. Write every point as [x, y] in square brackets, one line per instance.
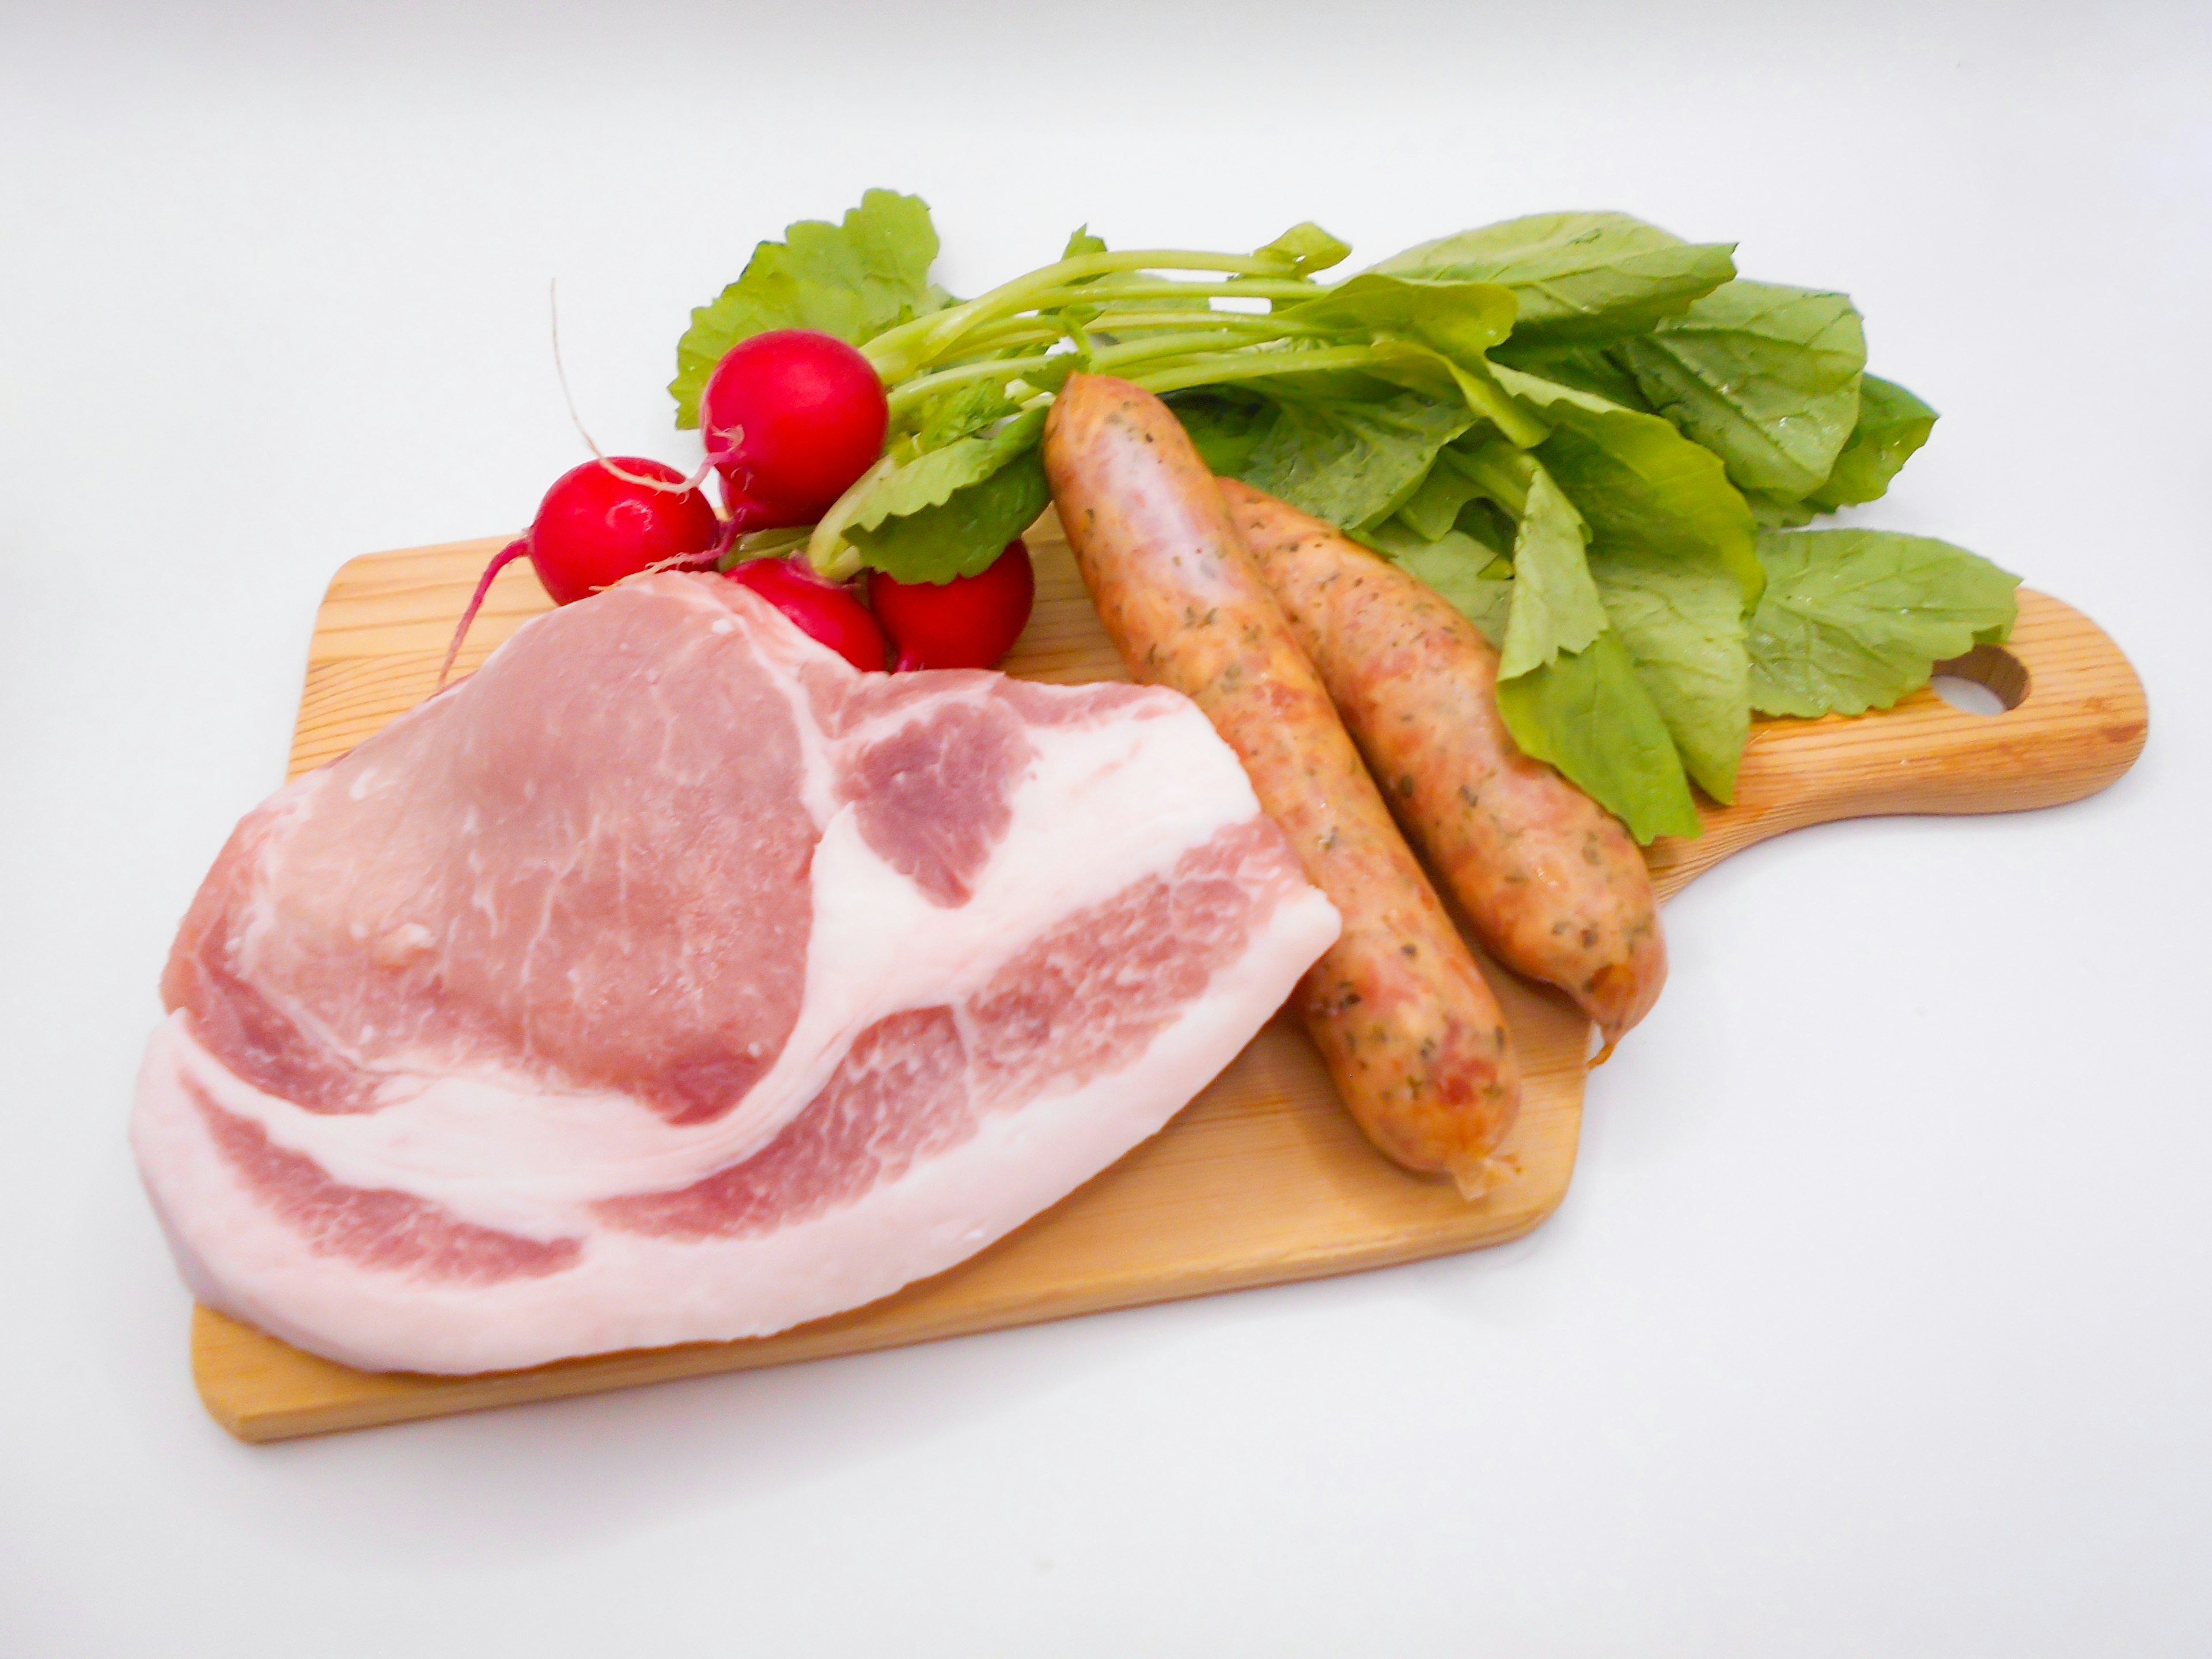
[595, 526]
[970, 621]
[823, 610]
[791, 418]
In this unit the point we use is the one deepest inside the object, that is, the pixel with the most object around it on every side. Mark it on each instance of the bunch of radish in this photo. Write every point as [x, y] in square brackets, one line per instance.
[791, 419]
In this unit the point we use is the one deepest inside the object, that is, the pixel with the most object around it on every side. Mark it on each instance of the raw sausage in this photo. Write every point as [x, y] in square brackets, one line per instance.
[1551, 880]
[1410, 1031]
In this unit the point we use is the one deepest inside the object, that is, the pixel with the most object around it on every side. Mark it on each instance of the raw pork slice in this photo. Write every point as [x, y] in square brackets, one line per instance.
[668, 981]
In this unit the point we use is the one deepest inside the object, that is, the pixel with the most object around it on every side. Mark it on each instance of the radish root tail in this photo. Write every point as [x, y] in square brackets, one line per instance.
[504, 557]
[553, 301]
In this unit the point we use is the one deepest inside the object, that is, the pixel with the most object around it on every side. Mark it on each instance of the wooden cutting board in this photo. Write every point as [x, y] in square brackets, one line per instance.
[1263, 1178]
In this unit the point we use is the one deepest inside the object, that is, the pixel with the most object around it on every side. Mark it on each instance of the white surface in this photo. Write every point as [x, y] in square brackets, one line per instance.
[1877, 1319]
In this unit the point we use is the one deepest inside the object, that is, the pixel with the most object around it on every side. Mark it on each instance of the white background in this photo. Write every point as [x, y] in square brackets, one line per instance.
[1876, 1321]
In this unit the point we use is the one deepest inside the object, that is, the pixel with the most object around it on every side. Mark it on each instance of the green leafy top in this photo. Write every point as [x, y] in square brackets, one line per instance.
[1766, 377]
[1460, 319]
[1642, 483]
[1854, 619]
[929, 479]
[1353, 463]
[854, 280]
[1555, 603]
[1892, 425]
[1589, 714]
[1578, 276]
[1682, 621]
[1306, 248]
[962, 535]
[1572, 426]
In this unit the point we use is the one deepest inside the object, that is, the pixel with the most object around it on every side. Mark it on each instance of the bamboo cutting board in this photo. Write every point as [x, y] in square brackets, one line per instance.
[1263, 1178]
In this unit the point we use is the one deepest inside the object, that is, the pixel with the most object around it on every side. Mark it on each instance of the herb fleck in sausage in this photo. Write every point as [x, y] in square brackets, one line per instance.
[1550, 880]
[1410, 1031]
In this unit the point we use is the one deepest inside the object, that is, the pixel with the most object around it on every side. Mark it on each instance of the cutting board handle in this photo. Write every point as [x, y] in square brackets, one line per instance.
[2075, 718]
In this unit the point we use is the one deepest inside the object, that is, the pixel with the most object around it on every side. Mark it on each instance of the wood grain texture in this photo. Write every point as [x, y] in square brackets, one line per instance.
[1263, 1178]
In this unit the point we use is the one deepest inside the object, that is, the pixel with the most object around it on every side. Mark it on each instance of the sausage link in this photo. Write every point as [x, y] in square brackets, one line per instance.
[1409, 1028]
[1551, 880]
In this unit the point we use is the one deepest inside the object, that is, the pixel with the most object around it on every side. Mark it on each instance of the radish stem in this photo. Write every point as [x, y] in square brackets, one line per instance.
[898, 352]
[1254, 365]
[915, 391]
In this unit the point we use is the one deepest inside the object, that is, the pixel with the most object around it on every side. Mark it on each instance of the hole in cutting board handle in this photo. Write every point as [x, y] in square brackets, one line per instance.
[1988, 680]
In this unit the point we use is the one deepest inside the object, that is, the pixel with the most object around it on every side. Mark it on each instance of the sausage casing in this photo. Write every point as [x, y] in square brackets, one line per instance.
[1551, 880]
[1410, 1031]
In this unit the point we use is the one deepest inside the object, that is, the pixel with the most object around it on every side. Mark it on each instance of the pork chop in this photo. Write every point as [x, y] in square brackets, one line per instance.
[668, 980]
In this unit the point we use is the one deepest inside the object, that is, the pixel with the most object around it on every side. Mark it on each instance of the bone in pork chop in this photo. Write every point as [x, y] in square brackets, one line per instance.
[670, 980]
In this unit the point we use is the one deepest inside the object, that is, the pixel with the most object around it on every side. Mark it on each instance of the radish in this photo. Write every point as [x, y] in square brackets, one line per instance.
[791, 418]
[600, 522]
[970, 621]
[824, 611]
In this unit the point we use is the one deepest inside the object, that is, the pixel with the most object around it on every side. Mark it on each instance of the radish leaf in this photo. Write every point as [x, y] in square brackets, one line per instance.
[1587, 714]
[967, 409]
[1766, 377]
[1225, 427]
[1555, 604]
[1682, 620]
[962, 535]
[1577, 276]
[1434, 509]
[1639, 481]
[1306, 248]
[931, 480]
[853, 280]
[1460, 319]
[1352, 462]
[1592, 369]
[1854, 619]
[1892, 423]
